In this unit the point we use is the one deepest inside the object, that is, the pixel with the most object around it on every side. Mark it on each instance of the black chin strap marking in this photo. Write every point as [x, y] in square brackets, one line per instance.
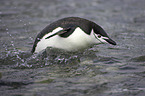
[97, 38]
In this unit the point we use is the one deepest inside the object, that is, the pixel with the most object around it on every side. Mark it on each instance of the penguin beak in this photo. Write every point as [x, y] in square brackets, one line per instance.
[109, 40]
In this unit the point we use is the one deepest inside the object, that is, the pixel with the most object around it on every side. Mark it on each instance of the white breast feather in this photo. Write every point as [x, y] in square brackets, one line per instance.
[77, 40]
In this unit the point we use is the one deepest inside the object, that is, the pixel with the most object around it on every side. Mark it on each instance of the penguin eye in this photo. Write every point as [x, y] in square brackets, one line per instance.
[99, 36]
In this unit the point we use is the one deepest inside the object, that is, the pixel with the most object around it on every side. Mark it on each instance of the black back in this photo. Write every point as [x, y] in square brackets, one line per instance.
[72, 23]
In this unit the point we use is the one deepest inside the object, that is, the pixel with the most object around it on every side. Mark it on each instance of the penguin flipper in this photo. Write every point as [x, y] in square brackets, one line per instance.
[59, 32]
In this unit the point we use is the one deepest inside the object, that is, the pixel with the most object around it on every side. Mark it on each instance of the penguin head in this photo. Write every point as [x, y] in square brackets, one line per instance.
[104, 39]
[101, 36]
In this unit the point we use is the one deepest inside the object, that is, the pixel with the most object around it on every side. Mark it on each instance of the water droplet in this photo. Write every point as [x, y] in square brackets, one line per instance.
[38, 38]
[10, 35]
[12, 44]
[31, 38]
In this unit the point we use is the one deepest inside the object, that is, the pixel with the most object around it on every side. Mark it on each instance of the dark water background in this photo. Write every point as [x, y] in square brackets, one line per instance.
[103, 70]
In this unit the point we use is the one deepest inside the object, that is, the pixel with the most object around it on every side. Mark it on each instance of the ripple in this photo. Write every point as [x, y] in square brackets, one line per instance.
[138, 59]
[107, 60]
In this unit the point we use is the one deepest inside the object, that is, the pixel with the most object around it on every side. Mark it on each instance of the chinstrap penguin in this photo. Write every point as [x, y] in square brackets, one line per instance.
[71, 34]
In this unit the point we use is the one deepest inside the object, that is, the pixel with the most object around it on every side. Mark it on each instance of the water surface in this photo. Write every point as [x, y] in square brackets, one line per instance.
[102, 70]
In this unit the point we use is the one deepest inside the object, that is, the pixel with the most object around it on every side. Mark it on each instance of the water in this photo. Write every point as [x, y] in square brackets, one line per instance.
[103, 70]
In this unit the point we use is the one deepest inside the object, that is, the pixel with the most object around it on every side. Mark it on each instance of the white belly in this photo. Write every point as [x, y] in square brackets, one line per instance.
[77, 40]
